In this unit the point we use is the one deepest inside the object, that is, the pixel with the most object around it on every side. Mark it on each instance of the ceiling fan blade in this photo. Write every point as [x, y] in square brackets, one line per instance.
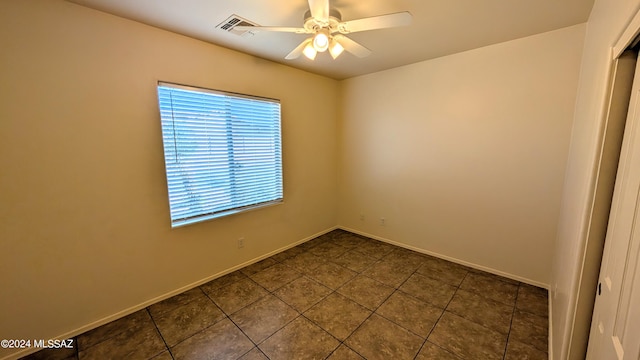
[352, 46]
[273, 28]
[319, 9]
[376, 22]
[297, 51]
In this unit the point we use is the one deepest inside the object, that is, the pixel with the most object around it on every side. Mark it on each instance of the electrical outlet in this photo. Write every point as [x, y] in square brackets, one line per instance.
[382, 221]
[240, 243]
[361, 217]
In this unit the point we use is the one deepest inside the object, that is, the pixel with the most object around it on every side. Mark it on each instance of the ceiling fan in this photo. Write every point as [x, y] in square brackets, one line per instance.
[328, 30]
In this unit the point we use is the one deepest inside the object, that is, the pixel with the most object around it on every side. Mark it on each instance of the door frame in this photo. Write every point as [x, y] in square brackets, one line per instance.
[602, 196]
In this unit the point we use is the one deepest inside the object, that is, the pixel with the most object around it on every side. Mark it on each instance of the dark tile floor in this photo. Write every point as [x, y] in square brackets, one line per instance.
[339, 296]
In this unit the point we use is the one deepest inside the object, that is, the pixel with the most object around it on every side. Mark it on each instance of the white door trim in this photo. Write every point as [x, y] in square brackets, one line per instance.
[627, 37]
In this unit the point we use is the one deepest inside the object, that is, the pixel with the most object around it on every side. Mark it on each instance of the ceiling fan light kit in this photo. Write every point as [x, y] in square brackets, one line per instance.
[309, 50]
[328, 30]
[335, 49]
[321, 40]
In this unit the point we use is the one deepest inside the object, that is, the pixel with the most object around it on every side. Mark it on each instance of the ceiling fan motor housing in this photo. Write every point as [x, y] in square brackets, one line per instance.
[312, 24]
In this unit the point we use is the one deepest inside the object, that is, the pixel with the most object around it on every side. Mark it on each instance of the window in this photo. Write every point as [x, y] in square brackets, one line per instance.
[222, 152]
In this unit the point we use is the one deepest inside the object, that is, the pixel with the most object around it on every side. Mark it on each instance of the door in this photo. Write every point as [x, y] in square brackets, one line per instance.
[615, 327]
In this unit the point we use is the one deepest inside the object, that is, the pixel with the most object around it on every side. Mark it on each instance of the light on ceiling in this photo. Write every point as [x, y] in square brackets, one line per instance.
[321, 40]
[309, 51]
[335, 49]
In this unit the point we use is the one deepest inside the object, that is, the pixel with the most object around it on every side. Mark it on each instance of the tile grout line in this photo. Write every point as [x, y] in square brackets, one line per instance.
[513, 314]
[487, 298]
[161, 336]
[440, 317]
[381, 303]
[228, 316]
[255, 345]
[361, 272]
[395, 289]
[148, 309]
[301, 314]
[335, 291]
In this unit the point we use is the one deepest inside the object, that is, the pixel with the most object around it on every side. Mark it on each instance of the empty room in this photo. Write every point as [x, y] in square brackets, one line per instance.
[312, 179]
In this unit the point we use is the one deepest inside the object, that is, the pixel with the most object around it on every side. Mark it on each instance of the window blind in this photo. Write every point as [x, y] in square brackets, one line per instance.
[223, 152]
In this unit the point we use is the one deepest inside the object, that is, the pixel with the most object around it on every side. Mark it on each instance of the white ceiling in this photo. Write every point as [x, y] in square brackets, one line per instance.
[439, 28]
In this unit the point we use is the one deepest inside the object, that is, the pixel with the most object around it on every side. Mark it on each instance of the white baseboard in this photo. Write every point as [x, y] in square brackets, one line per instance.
[165, 296]
[448, 258]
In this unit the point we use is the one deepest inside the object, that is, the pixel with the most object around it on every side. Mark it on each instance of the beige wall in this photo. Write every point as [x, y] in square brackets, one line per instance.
[573, 257]
[464, 156]
[84, 220]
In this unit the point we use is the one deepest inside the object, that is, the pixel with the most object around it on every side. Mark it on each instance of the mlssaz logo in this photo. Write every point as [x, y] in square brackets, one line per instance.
[53, 344]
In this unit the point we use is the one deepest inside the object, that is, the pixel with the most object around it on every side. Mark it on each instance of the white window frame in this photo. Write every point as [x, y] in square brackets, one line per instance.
[223, 152]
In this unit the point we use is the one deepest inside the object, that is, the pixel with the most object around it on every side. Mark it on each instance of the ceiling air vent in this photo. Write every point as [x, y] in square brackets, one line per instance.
[234, 20]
